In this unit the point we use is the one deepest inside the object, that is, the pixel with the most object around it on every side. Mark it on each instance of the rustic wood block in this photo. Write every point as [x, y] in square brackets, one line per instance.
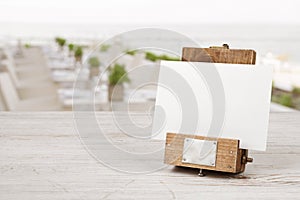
[219, 55]
[229, 157]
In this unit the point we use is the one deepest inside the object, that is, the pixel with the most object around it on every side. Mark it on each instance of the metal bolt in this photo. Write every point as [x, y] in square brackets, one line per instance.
[201, 174]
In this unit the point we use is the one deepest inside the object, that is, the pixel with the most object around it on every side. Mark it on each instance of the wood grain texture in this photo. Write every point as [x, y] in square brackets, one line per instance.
[226, 158]
[219, 55]
[41, 157]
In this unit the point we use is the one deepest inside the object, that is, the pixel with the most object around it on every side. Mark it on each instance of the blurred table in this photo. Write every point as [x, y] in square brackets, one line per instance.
[42, 157]
[134, 100]
[56, 65]
[65, 76]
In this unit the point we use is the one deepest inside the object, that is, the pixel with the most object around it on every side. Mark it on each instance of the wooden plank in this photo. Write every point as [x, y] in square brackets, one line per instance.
[227, 153]
[41, 157]
[219, 55]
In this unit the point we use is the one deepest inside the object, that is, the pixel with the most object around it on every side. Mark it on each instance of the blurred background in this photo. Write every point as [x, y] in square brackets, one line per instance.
[43, 44]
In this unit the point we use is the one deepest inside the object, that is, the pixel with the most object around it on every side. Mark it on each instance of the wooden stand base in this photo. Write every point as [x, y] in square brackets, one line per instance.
[224, 156]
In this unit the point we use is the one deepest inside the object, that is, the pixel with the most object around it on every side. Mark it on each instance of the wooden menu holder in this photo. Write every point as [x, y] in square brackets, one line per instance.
[225, 154]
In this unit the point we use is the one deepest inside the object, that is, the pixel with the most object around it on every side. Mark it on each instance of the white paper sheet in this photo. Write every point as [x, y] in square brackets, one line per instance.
[247, 92]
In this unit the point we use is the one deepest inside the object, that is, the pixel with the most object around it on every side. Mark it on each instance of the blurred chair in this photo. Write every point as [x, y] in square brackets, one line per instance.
[14, 103]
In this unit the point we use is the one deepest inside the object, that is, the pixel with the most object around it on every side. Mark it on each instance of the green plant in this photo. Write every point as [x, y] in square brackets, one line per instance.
[78, 53]
[71, 47]
[286, 100]
[118, 75]
[296, 90]
[60, 41]
[27, 46]
[104, 47]
[94, 62]
[153, 57]
[166, 57]
[132, 53]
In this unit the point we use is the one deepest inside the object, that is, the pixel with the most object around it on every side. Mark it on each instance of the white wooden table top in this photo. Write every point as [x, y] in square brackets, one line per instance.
[42, 157]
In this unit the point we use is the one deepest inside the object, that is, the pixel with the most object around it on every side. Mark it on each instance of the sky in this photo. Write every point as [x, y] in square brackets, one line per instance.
[151, 12]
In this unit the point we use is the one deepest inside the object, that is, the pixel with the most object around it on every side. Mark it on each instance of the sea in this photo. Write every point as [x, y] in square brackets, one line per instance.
[282, 40]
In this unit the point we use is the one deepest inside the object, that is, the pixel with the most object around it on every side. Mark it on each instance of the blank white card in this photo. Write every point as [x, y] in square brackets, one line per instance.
[247, 96]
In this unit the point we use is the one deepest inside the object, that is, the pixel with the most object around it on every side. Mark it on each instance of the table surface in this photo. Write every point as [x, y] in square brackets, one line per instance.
[42, 157]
